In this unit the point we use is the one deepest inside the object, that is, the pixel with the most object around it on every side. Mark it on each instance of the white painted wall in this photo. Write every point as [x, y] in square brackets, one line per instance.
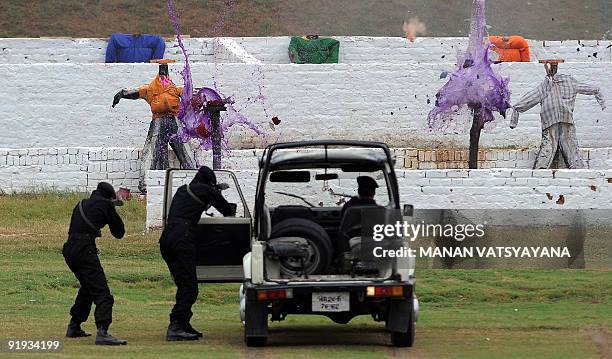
[67, 169]
[273, 50]
[92, 50]
[461, 189]
[80, 168]
[68, 105]
[364, 49]
[59, 131]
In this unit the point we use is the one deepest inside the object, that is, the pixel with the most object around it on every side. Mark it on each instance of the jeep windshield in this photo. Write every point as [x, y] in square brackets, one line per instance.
[325, 177]
[323, 188]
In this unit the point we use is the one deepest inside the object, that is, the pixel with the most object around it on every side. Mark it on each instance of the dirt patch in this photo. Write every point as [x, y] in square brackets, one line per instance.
[23, 234]
[333, 337]
[405, 353]
[602, 339]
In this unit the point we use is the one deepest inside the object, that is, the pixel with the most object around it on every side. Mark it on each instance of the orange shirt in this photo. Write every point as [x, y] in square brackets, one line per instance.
[164, 100]
[516, 49]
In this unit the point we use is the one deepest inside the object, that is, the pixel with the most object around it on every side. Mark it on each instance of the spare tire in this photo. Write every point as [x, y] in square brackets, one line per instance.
[320, 249]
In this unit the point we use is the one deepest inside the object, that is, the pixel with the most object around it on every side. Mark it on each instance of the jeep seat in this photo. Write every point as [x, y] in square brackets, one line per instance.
[350, 227]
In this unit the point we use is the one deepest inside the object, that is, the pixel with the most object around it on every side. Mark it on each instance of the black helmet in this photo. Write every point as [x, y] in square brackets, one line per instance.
[206, 175]
[106, 190]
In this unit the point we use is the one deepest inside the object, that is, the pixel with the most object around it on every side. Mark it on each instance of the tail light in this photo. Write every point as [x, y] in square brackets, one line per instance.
[385, 291]
[273, 294]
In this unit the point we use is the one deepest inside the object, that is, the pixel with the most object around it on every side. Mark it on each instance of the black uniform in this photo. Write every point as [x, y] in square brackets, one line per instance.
[356, 201]
[366, 189]
[81, 255]
[177, 243]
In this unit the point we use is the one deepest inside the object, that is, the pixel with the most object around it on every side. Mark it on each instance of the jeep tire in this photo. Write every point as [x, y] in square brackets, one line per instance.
[320, 246]
[255, 322]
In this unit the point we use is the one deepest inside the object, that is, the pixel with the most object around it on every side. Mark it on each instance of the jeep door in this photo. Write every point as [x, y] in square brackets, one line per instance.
[221, 242]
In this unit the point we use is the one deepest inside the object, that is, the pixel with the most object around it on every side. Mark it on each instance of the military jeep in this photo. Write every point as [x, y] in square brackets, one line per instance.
[288, 255]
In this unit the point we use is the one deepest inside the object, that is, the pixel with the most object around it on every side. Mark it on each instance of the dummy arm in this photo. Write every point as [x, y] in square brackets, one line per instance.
[528, 101]
[585, 89]
[128, 94]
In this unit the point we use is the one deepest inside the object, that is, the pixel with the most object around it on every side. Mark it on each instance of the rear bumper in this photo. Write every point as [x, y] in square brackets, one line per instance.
[360, 303]
[307, 288]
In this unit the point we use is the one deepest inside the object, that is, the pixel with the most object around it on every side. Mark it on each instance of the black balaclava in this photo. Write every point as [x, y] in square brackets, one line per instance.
[105, 190]
[205, 175]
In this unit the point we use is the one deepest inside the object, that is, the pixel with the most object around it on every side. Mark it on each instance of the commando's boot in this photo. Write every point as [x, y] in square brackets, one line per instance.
[74, 330]
[176, 332]
[189, 329]
[103, 338]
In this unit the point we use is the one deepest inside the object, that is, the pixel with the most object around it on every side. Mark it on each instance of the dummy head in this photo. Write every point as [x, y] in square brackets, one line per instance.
[163, 72]
[551, 66]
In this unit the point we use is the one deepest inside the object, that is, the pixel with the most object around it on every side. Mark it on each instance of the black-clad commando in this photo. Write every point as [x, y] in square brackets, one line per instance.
[80, 252]
[178, 248]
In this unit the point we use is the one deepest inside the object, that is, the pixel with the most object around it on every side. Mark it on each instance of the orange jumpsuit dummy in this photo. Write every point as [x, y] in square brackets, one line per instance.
[164, 98]
[510, 48]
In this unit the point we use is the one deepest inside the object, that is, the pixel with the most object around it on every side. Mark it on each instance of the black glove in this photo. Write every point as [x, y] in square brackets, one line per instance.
[233, 207]
[129, 94]
[222, 186]
[117, 98]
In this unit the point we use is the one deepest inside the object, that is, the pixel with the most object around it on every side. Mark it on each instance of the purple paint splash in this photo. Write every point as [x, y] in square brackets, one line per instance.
[194, 118]
[201, 127]
[473, 83]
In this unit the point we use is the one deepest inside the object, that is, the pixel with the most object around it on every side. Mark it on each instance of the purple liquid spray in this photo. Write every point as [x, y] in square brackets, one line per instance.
[194, 114]
[473, 83]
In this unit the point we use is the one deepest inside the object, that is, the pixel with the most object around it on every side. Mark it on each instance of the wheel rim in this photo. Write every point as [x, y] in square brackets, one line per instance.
[292, 265]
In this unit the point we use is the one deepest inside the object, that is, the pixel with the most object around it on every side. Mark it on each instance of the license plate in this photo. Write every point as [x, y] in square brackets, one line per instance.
[331, 302]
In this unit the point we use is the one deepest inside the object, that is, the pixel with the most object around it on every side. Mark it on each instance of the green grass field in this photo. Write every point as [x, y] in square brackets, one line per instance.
[464, 314]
